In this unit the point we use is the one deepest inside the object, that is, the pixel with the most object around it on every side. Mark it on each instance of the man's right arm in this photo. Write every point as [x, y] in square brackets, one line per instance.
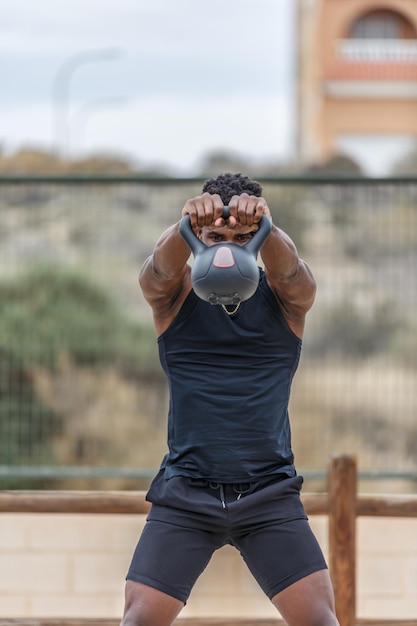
[165, 277]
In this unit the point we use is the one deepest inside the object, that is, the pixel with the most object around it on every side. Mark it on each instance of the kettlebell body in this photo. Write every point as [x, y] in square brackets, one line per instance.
[225, 273]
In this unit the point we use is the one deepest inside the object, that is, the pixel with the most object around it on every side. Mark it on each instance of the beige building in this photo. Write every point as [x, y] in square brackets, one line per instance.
[357, 81]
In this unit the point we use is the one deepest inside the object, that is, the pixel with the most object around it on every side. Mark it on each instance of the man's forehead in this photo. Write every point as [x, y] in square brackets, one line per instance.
[240, 229]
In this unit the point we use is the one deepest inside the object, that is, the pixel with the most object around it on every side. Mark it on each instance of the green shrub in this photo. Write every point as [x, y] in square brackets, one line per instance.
[44, 314]
[48, 312]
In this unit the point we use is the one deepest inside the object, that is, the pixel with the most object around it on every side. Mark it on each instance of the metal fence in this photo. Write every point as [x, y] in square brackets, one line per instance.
[82, 396]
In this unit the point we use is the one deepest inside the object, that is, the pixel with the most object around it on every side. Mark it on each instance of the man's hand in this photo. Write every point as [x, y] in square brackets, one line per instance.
[207, 209]
[246, 209]
[204, 210]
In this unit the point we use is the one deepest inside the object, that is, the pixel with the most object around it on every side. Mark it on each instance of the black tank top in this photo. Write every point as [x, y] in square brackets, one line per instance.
[229, 384]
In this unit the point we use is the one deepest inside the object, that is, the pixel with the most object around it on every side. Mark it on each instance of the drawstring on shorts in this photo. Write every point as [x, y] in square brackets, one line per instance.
[219, 486]
[239, 488]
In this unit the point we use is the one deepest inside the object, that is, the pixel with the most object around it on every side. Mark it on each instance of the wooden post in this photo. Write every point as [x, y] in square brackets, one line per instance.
[342, 490]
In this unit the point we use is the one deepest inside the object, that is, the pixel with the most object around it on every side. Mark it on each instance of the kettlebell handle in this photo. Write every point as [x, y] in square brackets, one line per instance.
[252, 247]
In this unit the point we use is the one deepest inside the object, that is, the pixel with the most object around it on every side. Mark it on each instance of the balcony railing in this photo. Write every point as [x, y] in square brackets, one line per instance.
[377, 50]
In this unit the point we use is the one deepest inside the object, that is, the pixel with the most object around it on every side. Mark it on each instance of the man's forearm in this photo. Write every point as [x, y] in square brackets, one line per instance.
[170, 254]
[280, 256]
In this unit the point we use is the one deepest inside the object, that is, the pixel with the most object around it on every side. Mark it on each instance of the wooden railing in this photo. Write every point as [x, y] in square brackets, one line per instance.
[341, 503]
[193, 621]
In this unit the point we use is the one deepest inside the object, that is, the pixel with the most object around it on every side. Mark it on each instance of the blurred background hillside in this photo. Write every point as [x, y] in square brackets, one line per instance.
[80, 382]
[100, 149]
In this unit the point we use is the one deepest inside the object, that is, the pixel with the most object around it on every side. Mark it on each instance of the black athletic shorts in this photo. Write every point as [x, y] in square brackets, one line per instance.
[190, 519]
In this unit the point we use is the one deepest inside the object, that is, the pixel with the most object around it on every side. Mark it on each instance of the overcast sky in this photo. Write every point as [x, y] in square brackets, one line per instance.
[160, 81]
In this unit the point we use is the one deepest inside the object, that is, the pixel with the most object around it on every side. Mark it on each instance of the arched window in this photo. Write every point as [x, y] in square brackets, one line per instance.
[382, 25]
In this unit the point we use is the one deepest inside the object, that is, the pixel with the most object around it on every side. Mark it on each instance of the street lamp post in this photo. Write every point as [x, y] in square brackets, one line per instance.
[61, 90]
[90, 108]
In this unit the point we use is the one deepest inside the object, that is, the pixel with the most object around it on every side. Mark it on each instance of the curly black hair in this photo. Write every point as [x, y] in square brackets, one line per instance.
[228, 185]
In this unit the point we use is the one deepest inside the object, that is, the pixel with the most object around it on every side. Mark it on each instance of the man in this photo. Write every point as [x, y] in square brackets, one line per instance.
[228, 476]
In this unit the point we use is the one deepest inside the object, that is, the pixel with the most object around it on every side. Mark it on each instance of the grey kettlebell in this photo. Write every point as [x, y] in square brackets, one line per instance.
[225, 273]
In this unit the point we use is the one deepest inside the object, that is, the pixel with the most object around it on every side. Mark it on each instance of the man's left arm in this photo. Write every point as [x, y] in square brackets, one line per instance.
[289, 277]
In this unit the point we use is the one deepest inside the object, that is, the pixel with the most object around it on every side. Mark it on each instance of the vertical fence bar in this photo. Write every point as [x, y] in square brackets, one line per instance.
[342, 490]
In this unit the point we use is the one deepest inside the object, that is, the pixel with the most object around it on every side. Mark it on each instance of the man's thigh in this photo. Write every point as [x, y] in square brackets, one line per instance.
[309, 601]
[279, 554]
[146, 605]
[170, 558]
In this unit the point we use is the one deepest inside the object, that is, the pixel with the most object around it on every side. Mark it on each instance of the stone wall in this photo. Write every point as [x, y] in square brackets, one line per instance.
[74, 566]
